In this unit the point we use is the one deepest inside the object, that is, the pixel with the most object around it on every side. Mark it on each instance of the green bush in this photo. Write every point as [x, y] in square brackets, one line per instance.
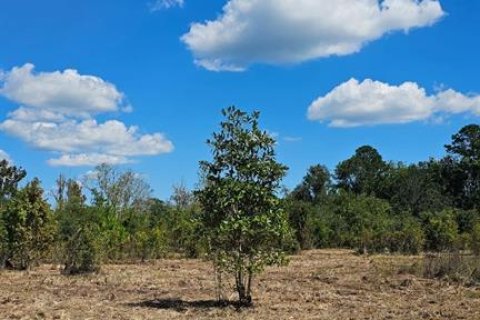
[113, 235]
[322, 232]
[302, 220]
[183, 231]
[148, 244]
[408, 236]
[82, 252]
[361, 222]
[78, 233]
[441, 230]
[466, 220]
[156, 245]
[464, 242]
[475, 239]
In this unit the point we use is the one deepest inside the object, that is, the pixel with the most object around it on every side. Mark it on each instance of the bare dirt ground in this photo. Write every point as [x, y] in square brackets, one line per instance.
[320, 284]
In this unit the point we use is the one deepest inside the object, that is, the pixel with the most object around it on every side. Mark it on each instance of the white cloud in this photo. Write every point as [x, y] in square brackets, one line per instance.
[292, 139]
[32, 115]
[292, 31]
[65, 92]
[4, 156]
[165, 4]
[87, 141]
[82, 160]
[454, 102]
[58, 116]
[369, 102]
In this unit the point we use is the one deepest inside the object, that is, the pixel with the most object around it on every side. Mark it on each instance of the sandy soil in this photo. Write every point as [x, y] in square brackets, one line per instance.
[320, 284]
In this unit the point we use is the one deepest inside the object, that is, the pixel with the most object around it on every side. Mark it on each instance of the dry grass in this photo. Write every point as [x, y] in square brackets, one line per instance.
[320, 284]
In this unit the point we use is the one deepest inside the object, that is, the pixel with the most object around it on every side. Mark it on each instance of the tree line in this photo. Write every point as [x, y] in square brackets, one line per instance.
[120, 221]
[373, 205]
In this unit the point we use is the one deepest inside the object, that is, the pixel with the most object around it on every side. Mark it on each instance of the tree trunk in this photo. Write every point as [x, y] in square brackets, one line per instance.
[244, 291]
[249, 287]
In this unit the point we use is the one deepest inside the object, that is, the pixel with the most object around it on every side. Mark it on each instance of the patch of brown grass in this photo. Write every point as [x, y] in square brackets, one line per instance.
[319, 284]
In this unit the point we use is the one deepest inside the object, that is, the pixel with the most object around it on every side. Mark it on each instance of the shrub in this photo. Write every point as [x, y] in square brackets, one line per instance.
[82, 252]
[148, 243]
[156, 243]
[29, 227]
[466, 220]
[301, 219]
[322, 233]
[475, 239]
[114, 236]
[361, 222]
[441, 230]
[408, 236]
[78, 233]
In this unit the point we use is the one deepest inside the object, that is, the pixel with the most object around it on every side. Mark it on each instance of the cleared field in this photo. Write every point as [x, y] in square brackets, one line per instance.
[319, 284]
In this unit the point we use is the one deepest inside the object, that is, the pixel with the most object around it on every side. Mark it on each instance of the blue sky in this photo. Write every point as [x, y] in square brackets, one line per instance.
[146, 81]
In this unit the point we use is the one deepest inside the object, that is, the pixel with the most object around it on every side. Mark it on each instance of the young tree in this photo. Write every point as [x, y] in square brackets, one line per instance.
[78, 232]
[242, 216]
[10, 176]
[29, 226]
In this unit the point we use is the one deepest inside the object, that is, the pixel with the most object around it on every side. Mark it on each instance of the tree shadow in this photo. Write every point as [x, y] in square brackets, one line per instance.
[180, 305]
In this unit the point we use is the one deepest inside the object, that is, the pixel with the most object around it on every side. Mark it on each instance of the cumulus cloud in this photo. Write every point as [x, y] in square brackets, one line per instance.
[454, 102]
[165, 4]
[292, 31]
[370, 102]
[87, 141]
[82, 160]
[32, 115]
[292, 139]
[4, 156]
[65, 92]
[58, 115]
[70, 136]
